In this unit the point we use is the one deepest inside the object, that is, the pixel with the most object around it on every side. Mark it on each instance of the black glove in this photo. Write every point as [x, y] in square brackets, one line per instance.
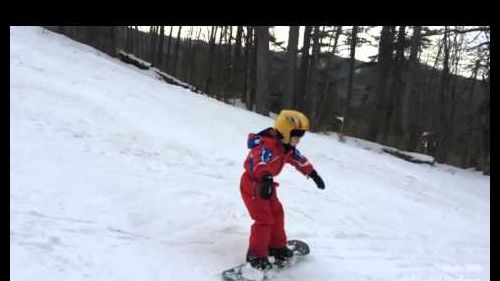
[266, 187]
[317, 179]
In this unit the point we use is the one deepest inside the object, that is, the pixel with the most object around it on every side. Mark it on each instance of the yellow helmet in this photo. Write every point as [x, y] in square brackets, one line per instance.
[289, 120]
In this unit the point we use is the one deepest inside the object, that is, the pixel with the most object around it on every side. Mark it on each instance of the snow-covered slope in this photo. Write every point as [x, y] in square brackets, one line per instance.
[116, 175]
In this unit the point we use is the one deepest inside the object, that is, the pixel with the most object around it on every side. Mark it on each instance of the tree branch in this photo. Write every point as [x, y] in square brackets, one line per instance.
[460, 31]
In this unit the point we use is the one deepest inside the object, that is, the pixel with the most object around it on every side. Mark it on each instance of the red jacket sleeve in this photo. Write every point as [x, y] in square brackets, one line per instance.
[300, 162]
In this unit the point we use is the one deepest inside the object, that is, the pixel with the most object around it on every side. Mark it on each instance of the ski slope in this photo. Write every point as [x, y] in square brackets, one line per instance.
[116, 175]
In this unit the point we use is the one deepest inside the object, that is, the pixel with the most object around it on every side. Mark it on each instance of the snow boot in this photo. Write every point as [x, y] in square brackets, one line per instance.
[257, 262]
[280, 255]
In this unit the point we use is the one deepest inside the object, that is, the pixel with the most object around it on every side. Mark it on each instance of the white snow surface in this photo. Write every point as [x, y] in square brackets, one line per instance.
[116, 175]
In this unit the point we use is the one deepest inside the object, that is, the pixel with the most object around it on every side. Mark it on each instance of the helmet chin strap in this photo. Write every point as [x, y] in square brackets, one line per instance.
[287, 147]
[279, 135]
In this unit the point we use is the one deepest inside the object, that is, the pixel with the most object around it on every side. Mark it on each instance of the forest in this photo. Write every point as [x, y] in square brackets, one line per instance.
[426, 89]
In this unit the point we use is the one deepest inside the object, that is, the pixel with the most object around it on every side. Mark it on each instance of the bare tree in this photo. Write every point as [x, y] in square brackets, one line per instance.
[186, 54]
[237, 49]
[138, 40]
[228, 75]
[112, 31]
[291, 68]
[262, 95]
[394, 132]
[249, 61]
[455, 58]
[211, 57]
[160, 46]
[237, 61]
[409, 98]
[219, 57]
[312, 87]
[478, 121]
[151, 41]
[379, 116]
[176, 58]
[193, 59]
[129, 41]
[338, 32]
[253, 70]
[209, 81]
[168, 49]
[442, 98]
[301, 92]
[352, 60]
[430, 114]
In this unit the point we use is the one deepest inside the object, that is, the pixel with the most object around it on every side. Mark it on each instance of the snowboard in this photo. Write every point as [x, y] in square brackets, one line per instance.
[244, 272]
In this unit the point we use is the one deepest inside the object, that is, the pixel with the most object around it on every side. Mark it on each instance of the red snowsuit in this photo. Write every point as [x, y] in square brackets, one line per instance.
[267, 156]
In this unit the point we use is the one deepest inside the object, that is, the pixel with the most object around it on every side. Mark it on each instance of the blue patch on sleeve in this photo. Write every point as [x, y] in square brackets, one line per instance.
[266, 155]
[253, 142]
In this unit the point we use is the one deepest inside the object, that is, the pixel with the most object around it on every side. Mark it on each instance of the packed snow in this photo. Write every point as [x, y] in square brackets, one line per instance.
[116, 175]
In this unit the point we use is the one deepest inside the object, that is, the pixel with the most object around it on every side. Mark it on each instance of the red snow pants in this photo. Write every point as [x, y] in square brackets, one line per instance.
[268, 229]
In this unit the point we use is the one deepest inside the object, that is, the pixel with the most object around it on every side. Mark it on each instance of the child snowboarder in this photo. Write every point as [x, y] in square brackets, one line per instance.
[270, 150]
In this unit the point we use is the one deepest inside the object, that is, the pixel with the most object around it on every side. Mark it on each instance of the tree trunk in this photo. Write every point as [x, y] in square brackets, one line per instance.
[246, 80]
[262, 95]
[237, 59]
[219, 71]
[432, 115]
[228, 76]
[192, 77]
[253, 70]
[470, 87]
[352, 60]
[455, 59]
[301, 94]
[442, 98]
[176, 59]
[156, 40]
[128, 44]
[336, 41]
[160, 47]
[291, 68]
[112, 31]
[186, 54]
[409, 98]
[312, 89]
[137, 41]
[168, 49]
[152, 30]
[486, 133]
[208, 84]
[395, 132]
[378, 121]
[237, 45]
